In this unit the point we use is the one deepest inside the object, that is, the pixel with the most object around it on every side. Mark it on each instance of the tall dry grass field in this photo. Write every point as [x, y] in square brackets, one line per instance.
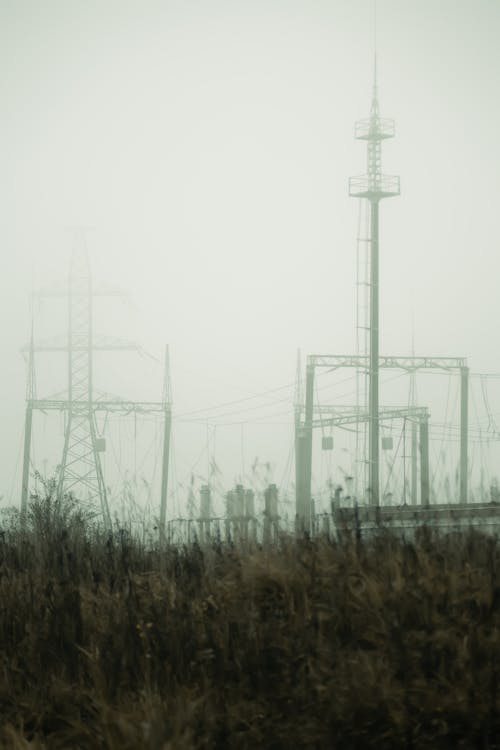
[326, 644]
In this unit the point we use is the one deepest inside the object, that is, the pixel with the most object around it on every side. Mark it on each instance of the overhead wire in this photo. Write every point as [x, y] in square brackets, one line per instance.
[235, 401]
[183, 415]
[280, 413]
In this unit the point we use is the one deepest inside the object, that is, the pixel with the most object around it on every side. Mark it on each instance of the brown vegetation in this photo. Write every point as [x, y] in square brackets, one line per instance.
[325, 644]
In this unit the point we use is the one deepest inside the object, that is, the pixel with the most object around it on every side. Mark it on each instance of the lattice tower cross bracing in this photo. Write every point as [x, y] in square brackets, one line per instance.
[80, 469]
[81, 465]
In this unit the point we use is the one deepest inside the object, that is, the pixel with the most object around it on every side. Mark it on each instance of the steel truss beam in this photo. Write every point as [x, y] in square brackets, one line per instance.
[99, 343]
[115, 407]
[355, 416]
[410, 364]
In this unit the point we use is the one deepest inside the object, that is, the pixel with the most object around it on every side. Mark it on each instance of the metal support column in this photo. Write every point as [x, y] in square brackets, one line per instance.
[464, 429]
[414, 463]
[308, 444]
[164, 472]
[424, 461]
[166, 445]
[28, 424]
[373, 398]
[303, 457]
[26, 458]
[300, 438]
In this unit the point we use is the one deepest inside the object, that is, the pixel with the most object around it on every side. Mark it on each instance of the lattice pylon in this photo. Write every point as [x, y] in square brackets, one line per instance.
[80, 471]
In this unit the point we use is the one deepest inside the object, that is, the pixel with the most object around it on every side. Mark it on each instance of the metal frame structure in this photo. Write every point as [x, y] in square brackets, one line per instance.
[81, 468]
[348, 415]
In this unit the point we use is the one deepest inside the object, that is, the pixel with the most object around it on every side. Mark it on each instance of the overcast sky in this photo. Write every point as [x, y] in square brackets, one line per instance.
[207, 145]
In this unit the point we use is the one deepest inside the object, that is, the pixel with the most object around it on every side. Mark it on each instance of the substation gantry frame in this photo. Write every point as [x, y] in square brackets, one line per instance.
[373, 186]
[342, 415]
[80, 468]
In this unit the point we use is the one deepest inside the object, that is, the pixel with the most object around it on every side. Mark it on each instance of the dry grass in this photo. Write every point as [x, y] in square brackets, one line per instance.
[324, 644]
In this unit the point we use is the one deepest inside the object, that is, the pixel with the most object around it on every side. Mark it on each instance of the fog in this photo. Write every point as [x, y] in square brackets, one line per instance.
[207, 147]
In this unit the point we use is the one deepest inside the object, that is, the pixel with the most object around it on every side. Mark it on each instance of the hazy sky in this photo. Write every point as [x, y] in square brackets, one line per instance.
[207, 145]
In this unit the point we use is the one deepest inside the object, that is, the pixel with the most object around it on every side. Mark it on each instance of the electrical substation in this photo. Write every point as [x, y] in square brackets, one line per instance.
[248, 512]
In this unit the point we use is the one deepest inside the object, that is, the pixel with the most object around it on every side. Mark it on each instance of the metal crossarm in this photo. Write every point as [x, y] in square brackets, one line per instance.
[336, 361]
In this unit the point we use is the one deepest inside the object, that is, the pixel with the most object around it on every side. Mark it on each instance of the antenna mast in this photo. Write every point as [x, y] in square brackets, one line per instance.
[373, 186]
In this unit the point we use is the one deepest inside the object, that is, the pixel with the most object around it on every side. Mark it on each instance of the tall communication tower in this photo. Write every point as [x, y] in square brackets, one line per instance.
[374, 186]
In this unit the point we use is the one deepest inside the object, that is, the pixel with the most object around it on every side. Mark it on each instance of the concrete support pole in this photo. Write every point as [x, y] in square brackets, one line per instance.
[373, 398]
[164, 469]
[424, 461]
[464, 429]
[28, 422]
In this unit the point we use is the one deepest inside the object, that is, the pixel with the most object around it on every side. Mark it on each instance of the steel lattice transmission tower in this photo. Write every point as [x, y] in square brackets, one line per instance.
[80, 469]
[81, 462]
[373, 186]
